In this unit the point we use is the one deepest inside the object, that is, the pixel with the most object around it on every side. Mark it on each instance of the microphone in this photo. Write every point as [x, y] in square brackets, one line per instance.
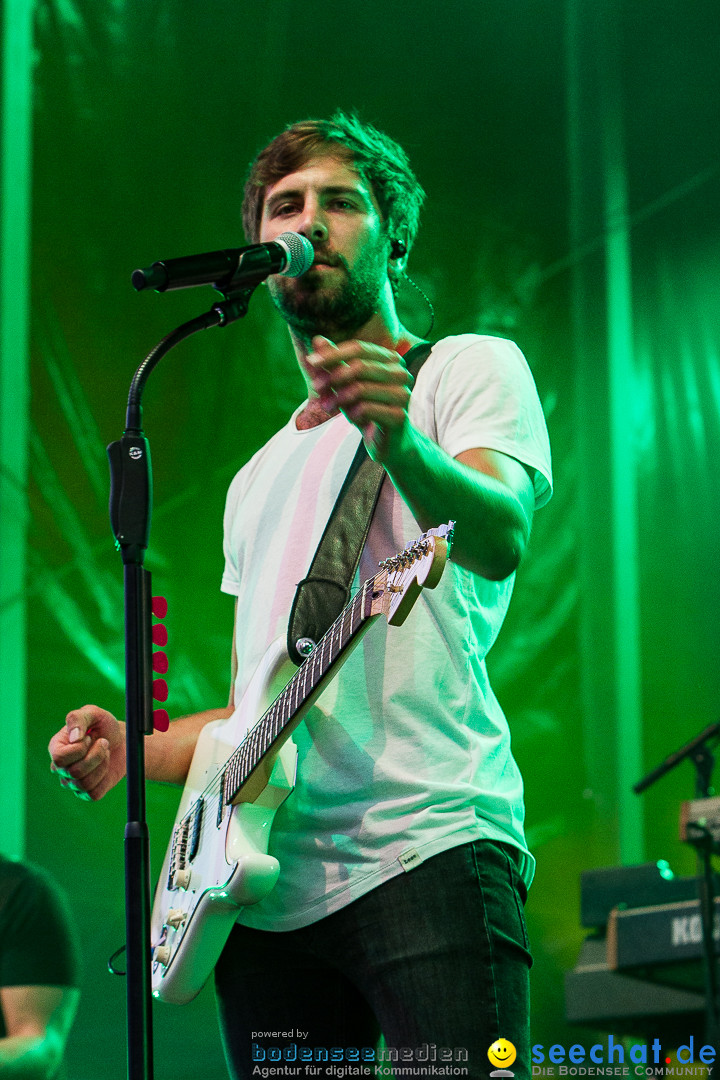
[290, 254]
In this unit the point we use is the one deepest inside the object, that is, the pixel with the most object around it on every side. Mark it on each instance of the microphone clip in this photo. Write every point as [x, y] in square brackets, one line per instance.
[234, 304]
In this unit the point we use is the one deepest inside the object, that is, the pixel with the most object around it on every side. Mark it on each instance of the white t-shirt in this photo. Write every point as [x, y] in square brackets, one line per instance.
[407, 752]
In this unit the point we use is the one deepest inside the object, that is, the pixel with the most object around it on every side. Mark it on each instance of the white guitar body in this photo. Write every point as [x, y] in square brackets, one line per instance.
[243, 770]
[233, 869]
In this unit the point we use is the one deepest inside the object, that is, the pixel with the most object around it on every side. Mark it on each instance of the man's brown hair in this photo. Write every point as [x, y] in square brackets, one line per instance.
[381, 162]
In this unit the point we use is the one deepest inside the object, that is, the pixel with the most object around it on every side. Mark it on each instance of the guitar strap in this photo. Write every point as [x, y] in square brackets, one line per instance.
[321, 596]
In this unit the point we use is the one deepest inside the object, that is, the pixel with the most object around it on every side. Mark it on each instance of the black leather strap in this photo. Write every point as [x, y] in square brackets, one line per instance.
[321, 596]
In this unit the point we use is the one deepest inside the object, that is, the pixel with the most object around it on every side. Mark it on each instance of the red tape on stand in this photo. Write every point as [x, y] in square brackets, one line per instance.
[161, 719]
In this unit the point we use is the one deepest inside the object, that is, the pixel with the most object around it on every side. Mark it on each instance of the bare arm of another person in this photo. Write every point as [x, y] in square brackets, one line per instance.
[37, 1021]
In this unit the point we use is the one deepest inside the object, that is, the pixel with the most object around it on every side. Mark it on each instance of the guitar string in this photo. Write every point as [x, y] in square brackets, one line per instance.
[277, 711]
[390, 567]
[253, 735]
[274, 719]
[217, 785]
[283, 704]
[296, 691]
[191, 835]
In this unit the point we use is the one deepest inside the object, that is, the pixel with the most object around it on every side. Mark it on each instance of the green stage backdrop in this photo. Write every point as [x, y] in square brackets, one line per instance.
[572, 181]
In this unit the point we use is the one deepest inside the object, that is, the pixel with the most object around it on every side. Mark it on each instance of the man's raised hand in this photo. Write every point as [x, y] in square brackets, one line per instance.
[88, 753]
[368, 383]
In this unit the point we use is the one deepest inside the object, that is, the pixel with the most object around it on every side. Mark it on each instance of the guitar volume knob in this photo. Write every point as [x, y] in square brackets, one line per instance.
[161, 955]
[182, 878]
[175, 918]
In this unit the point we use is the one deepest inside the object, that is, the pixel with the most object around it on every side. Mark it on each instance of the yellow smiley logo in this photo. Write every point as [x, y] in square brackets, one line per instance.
[502, 1053]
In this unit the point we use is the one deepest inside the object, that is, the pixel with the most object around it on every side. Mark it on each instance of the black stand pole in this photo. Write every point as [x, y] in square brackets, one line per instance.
[130, 514]
[701, 755]
[704, 762]
[137, 847]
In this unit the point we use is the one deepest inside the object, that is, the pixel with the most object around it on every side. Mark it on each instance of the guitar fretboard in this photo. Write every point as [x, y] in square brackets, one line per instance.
[300, 688]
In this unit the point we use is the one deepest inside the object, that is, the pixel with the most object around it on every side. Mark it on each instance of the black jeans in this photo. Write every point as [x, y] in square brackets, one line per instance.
[436, 960]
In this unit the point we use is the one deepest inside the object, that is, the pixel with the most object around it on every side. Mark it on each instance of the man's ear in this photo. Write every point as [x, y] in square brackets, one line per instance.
[398, 248]
[396, 263]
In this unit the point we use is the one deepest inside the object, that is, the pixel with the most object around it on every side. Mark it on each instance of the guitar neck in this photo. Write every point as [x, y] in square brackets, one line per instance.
[302, 688]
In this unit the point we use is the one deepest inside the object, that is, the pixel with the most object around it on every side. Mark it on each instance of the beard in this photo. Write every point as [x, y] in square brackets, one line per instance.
[311, 306]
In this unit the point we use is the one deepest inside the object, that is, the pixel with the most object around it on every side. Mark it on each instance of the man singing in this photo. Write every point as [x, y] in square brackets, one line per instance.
[399, 907]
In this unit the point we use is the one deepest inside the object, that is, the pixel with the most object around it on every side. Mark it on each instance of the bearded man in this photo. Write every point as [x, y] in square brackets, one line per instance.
[399, 906]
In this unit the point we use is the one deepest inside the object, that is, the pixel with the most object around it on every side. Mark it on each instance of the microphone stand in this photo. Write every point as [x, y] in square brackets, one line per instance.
[130, 514]
[703, 758]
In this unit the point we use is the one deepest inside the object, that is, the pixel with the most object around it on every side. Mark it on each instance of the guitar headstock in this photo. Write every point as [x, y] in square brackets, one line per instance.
[403, 576]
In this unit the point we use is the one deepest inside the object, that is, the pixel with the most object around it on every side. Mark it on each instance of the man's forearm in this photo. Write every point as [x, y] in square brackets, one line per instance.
[492, 524]
[168, 753]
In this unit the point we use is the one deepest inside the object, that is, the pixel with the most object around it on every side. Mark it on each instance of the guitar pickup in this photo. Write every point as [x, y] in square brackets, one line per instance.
[186, 840]
[178, 859]
[195, 827]
[221, 800]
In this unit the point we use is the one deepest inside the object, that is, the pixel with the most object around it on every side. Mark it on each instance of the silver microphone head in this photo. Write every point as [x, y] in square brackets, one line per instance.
[300, 253]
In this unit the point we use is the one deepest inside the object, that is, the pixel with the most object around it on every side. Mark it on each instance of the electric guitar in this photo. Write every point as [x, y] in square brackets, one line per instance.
[243, 769]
